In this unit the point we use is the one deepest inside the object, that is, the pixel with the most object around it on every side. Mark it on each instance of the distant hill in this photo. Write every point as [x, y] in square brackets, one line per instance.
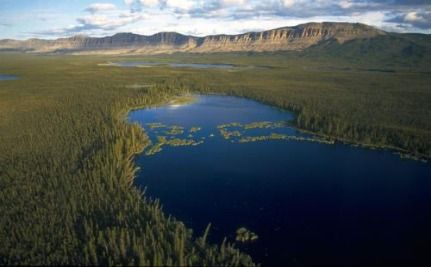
[389, 50]
[287, 38]
[353, 42]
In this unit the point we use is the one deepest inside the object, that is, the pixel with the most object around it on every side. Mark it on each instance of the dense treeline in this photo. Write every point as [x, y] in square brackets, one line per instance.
[66, 171]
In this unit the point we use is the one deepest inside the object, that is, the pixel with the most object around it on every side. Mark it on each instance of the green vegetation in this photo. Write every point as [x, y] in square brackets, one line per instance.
[66, 152]
[169, 137]
[265, 125]
[163, 141]
[183, 142]
[175, 130]
[194, 129]
[66, 171]
[244, 235]
[234, 131]
[156, 125]
[231, 124]
[276, 136]
[224, 130]
[182, 99]
[228, 134]
[237, 132]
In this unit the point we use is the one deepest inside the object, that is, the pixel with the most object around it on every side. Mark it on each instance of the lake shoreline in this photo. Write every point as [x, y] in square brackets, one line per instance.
[403, 154]
[190, 98]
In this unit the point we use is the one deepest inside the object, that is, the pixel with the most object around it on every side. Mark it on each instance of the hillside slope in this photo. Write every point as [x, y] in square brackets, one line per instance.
[389, 51]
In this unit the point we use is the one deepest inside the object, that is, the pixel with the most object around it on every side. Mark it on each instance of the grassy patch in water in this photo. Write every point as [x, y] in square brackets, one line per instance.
[264, 125]
[276, 136]
[175, 130]
[195, 129]
[244, 235]
[173, 142]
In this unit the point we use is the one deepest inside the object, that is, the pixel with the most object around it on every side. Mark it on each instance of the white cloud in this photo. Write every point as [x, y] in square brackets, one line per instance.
[414, 17]
[129, 2]
[345, 4]
[104, 18]
[233, 2]
[97, 7]
[288, 3]
[150, 3]
[104, 22]
[175, 4]
[181, 4]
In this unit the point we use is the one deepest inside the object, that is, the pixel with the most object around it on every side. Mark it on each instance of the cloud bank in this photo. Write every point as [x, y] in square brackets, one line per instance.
[201, 17]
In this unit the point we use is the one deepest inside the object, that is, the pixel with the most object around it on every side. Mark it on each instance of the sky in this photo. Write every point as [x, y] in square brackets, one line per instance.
[49, 19]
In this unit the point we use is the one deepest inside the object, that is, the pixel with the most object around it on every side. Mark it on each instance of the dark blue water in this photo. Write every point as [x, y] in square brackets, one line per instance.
[309, 203]
[174, 65]
[5, 77]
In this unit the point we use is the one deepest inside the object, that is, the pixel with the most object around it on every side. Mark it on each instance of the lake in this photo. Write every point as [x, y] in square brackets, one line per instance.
[5, 77]
[173, 65]
[238, 163]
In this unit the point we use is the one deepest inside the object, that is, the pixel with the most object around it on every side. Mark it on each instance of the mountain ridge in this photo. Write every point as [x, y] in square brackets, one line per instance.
[295, 38]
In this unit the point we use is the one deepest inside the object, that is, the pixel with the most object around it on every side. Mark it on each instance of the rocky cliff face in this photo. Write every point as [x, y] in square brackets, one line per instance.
[288, 38]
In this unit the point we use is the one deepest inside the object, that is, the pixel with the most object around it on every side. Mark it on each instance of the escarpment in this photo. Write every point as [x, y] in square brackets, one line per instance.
[287, 38]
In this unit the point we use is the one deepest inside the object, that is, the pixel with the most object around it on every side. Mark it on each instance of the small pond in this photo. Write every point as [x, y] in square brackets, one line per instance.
[238, 163]
[6, 77]
[173, 65]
